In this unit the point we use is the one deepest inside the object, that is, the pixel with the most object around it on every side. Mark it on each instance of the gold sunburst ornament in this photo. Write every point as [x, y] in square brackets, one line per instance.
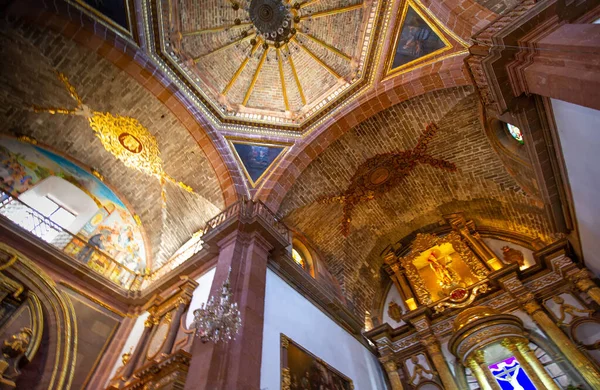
[122, 136]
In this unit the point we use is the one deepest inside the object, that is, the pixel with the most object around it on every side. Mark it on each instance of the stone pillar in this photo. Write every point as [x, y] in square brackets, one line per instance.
[435, 353]
[523, 347]
[392, 372]
[476, 362]
[175, 321]
[236, 364]
[544, 382]
[584, 283]
[138, 353]
[564, 343]
[566, 65]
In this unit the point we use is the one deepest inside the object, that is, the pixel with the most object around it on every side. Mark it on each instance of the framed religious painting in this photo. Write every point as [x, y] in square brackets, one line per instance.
[301, 370]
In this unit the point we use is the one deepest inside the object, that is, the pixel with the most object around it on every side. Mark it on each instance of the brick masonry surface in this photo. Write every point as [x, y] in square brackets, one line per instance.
[29, 58]
[482, 188]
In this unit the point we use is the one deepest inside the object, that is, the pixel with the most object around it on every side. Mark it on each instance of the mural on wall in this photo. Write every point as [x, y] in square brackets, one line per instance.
[256, 159]
[112, 229]
[302, 370]
[416, 39]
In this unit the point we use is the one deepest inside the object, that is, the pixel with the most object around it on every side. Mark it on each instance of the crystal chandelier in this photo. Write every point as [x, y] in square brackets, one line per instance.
[220, 319]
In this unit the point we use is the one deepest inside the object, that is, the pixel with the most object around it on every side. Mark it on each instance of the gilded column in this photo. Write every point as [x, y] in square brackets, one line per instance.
[464, 227]
[582, 281]
[435, 353]
[578, 359]
[545, 383]
[392, 372]
[537, 366]
[482, 374]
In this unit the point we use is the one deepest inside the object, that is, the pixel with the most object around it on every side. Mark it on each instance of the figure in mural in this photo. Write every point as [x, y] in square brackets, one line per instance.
[419, 372]
[24, 165]
[444, 274]
[571, 310]
[417, 39]
[96, 241]
[305, 381]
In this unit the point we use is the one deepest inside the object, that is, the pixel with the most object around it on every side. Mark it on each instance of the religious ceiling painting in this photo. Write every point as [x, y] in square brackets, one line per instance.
[381, 173]
[302, 370]
[267, 66]
[257, 159]
[419, 39]
[117, 14]
[124, 137]
[112, 229]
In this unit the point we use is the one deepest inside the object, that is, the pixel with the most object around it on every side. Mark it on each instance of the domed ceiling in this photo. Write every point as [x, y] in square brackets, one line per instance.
[276, 64]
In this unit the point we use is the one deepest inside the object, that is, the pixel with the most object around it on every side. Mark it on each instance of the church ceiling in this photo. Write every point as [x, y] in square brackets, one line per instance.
[481, 187]
[30, 61]
[267, 63]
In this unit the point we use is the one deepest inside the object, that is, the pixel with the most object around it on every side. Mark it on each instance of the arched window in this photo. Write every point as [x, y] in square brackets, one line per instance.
[515, 132]
[298, 258]
[303, 257]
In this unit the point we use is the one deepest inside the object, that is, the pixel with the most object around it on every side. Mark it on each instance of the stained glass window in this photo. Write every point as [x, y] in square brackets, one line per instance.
[515, 132]
[510, 375]
[298, 258]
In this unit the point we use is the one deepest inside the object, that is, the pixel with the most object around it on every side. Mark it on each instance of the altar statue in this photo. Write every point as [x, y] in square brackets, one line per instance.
[445, 276]
[419, 371]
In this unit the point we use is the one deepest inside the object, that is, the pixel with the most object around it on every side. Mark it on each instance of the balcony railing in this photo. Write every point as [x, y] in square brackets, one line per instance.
[77, 248]
[99, 261]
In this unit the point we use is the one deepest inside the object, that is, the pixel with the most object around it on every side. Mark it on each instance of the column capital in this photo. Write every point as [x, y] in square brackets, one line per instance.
[529, 303]
[390, 365]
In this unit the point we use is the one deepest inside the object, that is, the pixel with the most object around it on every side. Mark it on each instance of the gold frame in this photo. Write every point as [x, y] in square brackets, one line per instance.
[274, 163]
[130, 32]
[285, 370]
[427, 59]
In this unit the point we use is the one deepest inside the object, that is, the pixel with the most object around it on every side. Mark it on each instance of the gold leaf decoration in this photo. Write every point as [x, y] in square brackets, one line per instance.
[122, 136]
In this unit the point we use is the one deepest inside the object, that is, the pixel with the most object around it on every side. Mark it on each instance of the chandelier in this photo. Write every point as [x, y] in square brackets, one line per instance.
[220, 319]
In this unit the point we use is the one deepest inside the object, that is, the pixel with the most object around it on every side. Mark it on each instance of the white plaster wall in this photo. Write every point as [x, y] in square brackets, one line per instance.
[578, 129]
[131, 342]
[288, 312]
[66, 195]
[393, 295]
[496, 247]
[200, 295]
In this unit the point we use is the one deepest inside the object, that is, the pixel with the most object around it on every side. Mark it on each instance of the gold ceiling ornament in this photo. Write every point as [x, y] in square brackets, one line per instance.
[122, 136]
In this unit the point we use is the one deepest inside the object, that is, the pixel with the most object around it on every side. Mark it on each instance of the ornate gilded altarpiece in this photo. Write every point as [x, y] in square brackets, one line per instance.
[300, 369]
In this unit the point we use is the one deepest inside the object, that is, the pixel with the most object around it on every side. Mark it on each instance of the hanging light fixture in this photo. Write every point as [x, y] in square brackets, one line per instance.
[218, 320]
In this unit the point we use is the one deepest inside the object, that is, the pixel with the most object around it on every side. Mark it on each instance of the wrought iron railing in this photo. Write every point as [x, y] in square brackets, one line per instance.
[77, 248]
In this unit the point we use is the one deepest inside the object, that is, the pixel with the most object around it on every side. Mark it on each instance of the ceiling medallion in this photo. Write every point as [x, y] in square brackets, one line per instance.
[381, 173]
[123, 136]
[273, 19]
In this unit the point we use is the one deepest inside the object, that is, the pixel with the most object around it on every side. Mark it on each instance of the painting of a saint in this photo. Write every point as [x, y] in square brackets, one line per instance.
[417, 39]
[256, 158]
[307, 372]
